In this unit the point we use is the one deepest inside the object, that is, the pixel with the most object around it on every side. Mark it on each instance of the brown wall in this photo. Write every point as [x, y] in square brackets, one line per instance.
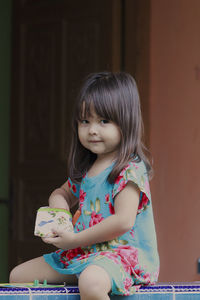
[175, 134]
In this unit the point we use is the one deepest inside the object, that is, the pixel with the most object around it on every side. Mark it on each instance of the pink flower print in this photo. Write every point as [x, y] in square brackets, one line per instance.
[132, 233]
[143, 202]
[125, 170]
[68, 255]
[111, 255]
[72, 253]
[107, 198]
[138, 272]
[128, 282]
[95, 219]
[144, 277]
[147, 188]
[129, 258]
[121, 186]
[80, 227]
[111, 208]
[135, 165]
[74, 188]
[85, 256]
[117, 180]
[82, 195]
[147, 278]
[69, 183]
[77, 226]
[58, 251]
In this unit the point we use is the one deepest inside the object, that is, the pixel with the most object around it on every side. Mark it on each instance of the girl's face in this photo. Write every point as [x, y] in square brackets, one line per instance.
[98, 135]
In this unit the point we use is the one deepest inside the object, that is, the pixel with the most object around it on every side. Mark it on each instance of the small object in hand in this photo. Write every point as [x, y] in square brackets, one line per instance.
[52, 218]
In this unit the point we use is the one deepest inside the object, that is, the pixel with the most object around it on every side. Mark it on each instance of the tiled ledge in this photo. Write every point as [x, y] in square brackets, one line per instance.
[184, 291]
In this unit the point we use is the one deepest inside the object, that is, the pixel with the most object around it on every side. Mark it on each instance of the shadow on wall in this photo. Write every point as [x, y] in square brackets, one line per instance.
[175, 134]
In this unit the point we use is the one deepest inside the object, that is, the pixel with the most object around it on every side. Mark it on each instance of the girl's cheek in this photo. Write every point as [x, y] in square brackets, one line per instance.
[79, 131]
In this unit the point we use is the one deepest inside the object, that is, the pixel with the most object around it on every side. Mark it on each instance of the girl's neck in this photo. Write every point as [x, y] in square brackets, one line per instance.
[100, 164]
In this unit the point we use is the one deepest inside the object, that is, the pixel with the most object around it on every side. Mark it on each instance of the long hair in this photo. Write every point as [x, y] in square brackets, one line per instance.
[114, 97]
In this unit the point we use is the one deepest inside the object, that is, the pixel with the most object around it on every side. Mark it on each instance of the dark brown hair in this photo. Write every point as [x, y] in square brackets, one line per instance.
[114, 97]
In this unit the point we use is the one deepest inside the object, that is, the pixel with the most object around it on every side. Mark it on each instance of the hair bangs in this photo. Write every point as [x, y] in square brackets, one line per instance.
[102, 99]
[84, 108]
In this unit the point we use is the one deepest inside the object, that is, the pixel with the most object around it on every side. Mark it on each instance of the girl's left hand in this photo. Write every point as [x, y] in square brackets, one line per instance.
[64, 240]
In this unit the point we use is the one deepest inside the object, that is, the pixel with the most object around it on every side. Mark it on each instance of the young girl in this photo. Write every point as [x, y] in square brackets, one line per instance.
[113, 247]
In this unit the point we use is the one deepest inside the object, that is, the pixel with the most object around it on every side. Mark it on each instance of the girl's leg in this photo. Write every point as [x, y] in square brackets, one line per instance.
[37, 268]
[94, 284]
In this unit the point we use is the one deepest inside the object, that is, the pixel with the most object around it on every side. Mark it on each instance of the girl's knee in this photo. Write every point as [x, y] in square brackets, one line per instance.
[93, 281]
[19, 274]
[14, 275]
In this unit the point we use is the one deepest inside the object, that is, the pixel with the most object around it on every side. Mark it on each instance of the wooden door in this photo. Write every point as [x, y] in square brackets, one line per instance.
[55, 44]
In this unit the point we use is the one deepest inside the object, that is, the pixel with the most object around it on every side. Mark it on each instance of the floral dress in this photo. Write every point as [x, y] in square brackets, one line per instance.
[131, 260]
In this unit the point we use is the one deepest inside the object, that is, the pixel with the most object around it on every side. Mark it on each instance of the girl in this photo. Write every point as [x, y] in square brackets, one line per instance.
[113, 247]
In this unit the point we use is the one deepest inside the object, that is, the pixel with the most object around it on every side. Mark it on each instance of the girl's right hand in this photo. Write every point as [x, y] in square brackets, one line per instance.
[63, 239]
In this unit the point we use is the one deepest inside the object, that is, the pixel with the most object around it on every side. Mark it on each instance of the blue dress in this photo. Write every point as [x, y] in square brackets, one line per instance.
[131, 260]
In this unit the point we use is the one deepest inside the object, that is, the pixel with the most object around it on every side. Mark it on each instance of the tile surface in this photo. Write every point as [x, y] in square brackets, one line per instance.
[189, 291]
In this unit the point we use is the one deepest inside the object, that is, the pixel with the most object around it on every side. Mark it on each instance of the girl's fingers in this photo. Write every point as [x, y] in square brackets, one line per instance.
[51, 240]
[57, 232]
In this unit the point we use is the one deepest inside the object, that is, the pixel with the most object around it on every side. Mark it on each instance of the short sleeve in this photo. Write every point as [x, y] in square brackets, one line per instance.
[74, 187]
[136, 173]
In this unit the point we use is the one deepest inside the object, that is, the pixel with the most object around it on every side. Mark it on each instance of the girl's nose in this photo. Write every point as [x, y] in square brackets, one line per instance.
[93, 129]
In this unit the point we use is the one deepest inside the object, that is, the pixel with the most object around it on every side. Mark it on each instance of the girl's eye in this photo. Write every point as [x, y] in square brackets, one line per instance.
[84, 121]
[104, 121]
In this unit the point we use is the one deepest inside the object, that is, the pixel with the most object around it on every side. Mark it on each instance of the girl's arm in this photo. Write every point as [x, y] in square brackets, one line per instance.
[126, 205]
[62, 198]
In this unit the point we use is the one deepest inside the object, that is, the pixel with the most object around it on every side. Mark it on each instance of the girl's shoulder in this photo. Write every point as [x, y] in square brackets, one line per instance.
[135, 172]
[134, 168]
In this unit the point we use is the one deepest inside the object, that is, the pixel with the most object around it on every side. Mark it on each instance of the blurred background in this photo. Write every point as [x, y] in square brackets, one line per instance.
[46, 48]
